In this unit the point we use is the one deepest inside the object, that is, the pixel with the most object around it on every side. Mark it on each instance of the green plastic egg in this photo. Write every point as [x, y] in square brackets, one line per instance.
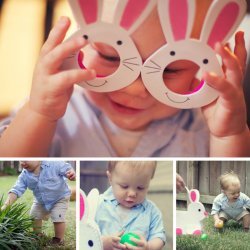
[204, 236]
[126, 238]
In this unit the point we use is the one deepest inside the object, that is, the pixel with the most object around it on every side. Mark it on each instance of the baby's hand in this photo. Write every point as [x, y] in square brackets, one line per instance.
[141, 244]
[113, 242]
[51, 87]
[226, 117]
[71, 175]
[3, 207]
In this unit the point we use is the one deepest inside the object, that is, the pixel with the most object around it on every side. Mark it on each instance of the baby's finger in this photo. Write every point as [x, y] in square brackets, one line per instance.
[53, 60]
[230, 61]
[56, 35]
[68, 78]
[240, 49]
[225, 89]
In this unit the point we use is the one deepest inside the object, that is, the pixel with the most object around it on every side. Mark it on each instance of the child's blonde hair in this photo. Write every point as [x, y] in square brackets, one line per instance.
[138, 165]
[228, 179]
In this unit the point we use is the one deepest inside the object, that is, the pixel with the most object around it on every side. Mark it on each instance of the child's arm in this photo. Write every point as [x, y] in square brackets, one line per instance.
[12, 197]
[32, 130]
[226, 117]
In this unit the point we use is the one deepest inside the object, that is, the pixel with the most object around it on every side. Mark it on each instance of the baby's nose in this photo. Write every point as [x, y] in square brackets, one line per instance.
[136, 88]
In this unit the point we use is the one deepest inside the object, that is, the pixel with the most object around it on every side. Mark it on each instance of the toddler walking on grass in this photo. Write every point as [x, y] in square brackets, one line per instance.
[51, 193]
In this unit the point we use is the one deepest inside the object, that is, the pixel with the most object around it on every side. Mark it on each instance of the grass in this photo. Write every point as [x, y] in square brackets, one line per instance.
[6, 182]
[231, 237]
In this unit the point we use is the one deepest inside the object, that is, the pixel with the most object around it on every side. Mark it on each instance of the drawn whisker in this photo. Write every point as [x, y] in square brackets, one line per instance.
[136, 64]
[158, 66]
[152, 72]
[127, 66]
[150, 67]
[128, 59]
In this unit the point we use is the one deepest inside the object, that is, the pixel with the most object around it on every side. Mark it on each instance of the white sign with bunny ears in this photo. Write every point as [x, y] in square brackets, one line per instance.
[189, 221]
[129, 14]
[90, 236]
[177, 18]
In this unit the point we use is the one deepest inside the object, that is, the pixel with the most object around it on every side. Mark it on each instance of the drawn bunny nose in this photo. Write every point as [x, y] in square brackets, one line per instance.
[206, 213]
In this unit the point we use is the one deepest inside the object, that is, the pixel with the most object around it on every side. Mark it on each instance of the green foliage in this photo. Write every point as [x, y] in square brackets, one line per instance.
[9, 171]
[231, 237]
[16, 228]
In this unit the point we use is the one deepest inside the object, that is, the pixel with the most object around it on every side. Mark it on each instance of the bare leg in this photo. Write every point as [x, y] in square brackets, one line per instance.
[246, 222]
[37, 226]
[59, 228]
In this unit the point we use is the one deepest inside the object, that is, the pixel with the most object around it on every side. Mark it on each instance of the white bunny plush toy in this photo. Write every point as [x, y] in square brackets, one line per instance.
[189, 221]
[90, 236]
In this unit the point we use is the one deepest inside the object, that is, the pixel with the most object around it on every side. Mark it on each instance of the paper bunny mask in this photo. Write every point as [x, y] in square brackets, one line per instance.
[176, 18]
[90, 236]
[129, 14]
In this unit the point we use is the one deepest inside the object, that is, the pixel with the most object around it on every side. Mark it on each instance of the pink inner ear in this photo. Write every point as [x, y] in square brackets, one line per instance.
[224, 23]
[82, 207]
[133, 10]
[178, 18]
[193, 196]
[89, 10]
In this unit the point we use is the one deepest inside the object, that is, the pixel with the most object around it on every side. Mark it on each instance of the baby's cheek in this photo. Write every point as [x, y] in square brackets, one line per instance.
[179, 86]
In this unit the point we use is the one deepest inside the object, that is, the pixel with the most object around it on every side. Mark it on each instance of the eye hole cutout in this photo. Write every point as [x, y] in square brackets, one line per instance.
[101, 57]
[90, 243]
[183, 77]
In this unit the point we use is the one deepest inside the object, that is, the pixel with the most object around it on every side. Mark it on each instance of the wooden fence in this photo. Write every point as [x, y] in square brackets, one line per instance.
[203, 175]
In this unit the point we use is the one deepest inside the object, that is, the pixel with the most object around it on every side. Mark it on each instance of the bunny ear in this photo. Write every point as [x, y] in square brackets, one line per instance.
[194, 195]
[177, 18]
[86, 11]
[93, 200]
[129, 14]
[223, 18]
[83, 206]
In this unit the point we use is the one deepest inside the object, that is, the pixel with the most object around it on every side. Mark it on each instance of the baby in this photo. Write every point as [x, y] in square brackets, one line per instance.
[231, 203]
[51, 193]
[128, 121]
[124, 208]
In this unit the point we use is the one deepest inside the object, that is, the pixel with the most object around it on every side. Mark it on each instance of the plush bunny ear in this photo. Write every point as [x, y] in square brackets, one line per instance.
[129, 14]
[222, 19]
[86, 11]
[93, 200]
[177, 18]
[194, 195]
[83, 206]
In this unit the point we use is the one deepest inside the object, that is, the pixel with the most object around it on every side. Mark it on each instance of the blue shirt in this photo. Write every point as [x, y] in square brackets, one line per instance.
[48, 187]
[80, 134]
[145, 218]
[221, 203]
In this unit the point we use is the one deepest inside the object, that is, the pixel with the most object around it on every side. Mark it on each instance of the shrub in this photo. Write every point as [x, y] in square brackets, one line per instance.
[16, 228]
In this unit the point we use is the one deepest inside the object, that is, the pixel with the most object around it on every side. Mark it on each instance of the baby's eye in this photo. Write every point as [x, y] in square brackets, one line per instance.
[124, 186]
[140, 188]
[109, 58]
[170, 71]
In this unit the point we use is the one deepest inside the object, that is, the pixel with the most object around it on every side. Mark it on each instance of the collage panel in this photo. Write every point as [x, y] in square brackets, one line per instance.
[126, 203]
[212, 205]
[37, 204]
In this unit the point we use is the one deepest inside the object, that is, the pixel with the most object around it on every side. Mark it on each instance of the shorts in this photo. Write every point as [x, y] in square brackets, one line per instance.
[224, 215]
[57, 213]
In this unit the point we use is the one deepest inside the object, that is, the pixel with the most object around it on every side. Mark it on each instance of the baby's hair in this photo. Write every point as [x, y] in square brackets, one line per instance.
[133, 164]
[227, 179]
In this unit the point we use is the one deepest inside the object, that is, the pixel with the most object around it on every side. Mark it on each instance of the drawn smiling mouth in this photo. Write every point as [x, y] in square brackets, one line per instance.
[92, 85]
[172, 100]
